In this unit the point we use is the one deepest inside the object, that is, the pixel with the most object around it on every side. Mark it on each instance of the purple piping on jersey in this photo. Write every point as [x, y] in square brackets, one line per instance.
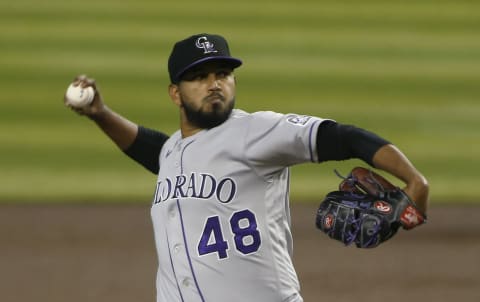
[188, 254]
[310, 145]
[173, 268]
[181, 156]
[287, 194]
[183, 230]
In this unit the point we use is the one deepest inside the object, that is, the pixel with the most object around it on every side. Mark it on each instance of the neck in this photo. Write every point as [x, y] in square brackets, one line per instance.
[186, 128]
[186, 132]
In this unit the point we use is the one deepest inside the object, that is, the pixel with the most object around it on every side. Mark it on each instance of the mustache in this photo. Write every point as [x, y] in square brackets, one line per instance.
[214, 96]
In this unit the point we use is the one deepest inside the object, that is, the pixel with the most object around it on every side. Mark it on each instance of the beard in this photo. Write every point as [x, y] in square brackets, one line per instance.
[208, 120]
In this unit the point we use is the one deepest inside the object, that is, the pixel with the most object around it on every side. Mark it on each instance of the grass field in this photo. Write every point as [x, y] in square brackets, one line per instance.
[408, 70]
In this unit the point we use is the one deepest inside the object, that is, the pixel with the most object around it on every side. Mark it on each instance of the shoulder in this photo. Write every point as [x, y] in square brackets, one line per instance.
[272, 118]
[241, 114]
[177, 135]
[244, 116]
[256, 120]
[286, 119]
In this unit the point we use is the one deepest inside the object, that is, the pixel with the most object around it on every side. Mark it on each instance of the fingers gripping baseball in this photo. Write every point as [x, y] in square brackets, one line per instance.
[83, 96]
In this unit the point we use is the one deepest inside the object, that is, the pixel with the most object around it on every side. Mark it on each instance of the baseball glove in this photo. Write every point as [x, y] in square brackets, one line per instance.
[366, 210]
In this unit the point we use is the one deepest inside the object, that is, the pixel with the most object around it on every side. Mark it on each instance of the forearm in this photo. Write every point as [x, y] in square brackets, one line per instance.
[119, 129]
[141, 144]
[390, 159]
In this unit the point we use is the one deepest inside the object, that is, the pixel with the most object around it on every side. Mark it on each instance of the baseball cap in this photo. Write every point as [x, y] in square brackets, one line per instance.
[197, 49]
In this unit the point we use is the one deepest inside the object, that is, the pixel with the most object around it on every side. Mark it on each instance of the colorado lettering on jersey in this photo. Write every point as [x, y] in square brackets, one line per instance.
[195, 185]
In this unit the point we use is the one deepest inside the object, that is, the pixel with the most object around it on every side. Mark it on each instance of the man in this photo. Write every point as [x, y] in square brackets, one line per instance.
[220, 210]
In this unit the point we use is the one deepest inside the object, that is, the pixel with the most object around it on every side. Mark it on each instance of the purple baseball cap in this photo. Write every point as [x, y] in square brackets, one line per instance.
[198, 49]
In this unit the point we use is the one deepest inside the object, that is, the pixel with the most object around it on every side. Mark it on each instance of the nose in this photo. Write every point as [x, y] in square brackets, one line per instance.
[213, 81]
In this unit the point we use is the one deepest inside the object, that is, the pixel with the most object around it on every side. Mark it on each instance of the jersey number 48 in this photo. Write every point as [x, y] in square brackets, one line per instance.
[245, 234]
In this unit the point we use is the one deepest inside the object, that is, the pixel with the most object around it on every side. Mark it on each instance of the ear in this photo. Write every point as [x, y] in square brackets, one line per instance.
[174, 92]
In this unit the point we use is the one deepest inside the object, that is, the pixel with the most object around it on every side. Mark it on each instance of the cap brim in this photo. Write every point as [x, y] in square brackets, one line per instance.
[233, 62]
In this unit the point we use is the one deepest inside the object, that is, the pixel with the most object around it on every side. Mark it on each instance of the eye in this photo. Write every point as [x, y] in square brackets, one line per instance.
[195, 76]
[200, 76]
[224, 73]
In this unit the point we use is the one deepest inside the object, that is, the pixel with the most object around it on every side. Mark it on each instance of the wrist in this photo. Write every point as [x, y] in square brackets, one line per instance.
[418, 191]
[100, 114]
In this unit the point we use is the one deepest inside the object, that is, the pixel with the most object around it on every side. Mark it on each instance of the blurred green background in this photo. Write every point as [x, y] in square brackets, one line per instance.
[407, 70]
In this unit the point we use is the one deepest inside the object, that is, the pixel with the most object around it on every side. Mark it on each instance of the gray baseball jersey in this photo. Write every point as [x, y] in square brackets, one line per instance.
[221, 209]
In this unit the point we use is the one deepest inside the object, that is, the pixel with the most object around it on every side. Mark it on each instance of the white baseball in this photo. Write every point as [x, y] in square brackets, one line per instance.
[78, 96]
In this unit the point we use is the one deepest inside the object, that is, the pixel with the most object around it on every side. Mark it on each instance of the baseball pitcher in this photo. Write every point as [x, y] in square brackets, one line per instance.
[220, 208]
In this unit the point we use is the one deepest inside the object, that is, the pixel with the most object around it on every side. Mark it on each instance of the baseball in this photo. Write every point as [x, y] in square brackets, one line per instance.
[78, 96]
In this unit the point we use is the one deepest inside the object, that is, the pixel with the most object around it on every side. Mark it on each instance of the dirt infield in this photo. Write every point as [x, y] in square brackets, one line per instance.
[106, 253]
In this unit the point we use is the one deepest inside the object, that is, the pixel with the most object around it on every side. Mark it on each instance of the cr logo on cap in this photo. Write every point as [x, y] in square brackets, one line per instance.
[207, 46]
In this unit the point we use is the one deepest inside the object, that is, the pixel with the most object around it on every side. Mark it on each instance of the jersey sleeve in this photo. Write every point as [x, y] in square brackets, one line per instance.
[281, 140]
[146, 148]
